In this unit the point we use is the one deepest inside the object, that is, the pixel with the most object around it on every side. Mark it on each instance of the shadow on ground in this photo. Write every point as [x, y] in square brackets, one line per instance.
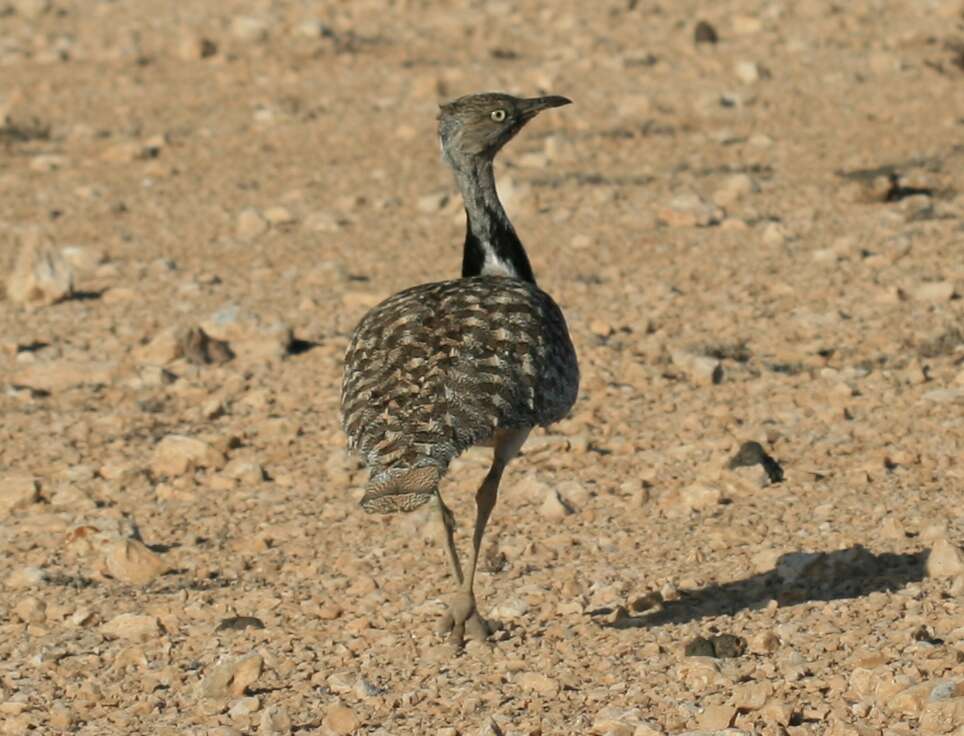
[798, 577]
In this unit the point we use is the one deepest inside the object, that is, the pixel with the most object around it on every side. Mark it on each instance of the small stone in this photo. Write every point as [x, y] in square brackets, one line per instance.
[245, 706]
[251, 224]
[61, 375]
[765, 642]
[240, 623]
[41, 275]
[690, 210]
[340, 720]
[126, 152]
[574, 493]
[322, 222]
[701, 369]
[164, 347]
[934, 292]
[553, 507]
[275, 721]
[249, 29]
[773, 234]
[746, 25]
[601, 328]
[279, 215]
[312, 28]
[705, 33]
[194, 48]
[751, 696]
[130, 561]
[60, 717]
[648, 729]
[17, 492]
[777, 711]
[31, 610]
[538, 683]
[945, 560]
[25, 577]
[31, 9]
[232, 679]
[752, 453]
[431, 203]
[132, 626]
[747, 72]
[699, 496]
[717, 716]
[176, 455]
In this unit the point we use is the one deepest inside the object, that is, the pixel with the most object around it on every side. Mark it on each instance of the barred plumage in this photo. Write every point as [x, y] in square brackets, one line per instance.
[482, 359]
[438, 368]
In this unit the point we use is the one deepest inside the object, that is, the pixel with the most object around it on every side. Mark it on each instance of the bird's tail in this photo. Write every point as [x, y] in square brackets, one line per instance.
[401, 489]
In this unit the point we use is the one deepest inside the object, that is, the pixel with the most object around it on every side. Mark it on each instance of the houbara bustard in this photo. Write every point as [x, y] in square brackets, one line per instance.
[479, 360]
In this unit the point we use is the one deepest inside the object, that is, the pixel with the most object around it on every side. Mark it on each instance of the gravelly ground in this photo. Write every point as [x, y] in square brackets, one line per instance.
[760, 240]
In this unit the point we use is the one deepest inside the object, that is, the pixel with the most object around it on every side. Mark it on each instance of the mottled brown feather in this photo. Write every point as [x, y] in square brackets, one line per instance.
[439, 367]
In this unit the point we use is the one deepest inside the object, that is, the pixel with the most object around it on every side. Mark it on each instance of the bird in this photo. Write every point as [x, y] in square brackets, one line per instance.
[478, 360]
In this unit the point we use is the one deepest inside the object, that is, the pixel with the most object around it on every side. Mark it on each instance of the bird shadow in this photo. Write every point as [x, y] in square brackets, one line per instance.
[797, 577]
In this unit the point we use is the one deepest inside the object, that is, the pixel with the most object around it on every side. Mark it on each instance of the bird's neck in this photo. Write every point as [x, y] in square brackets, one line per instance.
[492, 247]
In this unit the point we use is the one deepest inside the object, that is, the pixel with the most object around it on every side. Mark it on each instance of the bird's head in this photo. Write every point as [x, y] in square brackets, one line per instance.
[477, 126]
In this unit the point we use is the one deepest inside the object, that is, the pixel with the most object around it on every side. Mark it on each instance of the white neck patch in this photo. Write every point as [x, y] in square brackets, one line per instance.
[495, 266]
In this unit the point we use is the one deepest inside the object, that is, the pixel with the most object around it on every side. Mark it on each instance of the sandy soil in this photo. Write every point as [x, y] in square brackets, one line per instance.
[758, 239]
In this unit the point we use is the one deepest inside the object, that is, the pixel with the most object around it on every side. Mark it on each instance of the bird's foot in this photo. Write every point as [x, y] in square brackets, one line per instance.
[462, 621]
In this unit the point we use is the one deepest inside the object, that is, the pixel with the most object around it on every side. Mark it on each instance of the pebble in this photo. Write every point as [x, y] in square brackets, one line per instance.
[192, 47]
[251, 224]
[747, 71]
[340, 719]
[945, 560]
[537, 682]
[164, 347]
[701, 369]
[232, 678]
[176, 455]
[249, 29]
[934, 292]
[132, 626]
[322, 222]
[733, 189]
[275, 721]
[60, 717]
[130, 561]
[41, 275]
[698, 496]
[245, 706]
[717, 716]
[25, 577]
[17, 492]
[431, 203]
[554, 507]
[773, 234]
[705, 33]
[31, 9]
[60, 375]
[312, 28]
[690, 210]
[31, 610]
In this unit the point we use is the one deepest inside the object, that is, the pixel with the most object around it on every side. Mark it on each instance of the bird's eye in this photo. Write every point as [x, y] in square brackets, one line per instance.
[498, 115]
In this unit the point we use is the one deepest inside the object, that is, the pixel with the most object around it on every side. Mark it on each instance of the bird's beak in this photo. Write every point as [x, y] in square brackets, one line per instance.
[532, 106]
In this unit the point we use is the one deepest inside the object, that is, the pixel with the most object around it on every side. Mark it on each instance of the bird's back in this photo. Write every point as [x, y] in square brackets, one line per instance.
[438, 368]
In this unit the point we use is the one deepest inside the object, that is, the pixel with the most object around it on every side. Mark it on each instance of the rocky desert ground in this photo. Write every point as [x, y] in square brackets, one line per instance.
[753, 217]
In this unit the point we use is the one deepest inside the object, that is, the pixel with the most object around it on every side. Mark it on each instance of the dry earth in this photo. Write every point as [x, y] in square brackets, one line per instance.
[758, 239]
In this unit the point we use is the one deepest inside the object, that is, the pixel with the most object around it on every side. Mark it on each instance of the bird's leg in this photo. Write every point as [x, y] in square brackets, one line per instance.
[463, 617]
[448, 521]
